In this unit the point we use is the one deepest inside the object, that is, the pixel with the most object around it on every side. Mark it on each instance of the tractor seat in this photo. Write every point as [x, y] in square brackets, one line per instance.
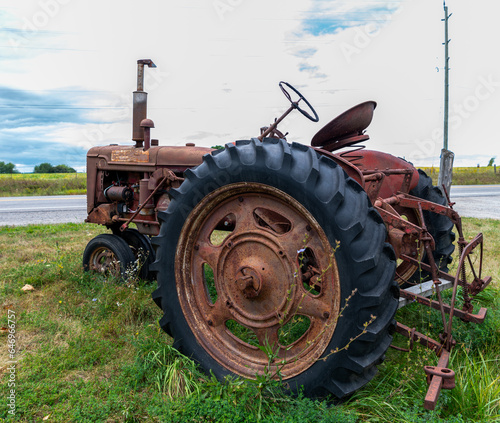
[346, 129]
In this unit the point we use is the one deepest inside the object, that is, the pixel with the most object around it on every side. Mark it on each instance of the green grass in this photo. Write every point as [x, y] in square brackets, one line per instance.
[42, 184]
[90, 349]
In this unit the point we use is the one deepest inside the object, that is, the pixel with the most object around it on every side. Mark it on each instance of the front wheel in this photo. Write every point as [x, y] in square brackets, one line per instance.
[290, 287]
[108, 254]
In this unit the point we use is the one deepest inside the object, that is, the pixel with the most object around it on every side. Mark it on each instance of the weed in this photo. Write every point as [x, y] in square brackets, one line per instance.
[174, 374]
[477, 394]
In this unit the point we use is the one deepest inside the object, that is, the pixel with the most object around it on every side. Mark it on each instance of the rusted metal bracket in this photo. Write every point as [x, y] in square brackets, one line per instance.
[438, 377]
[448, 375]
[373, 183]
[406, 200]
[443, 378]
[468, 317]
[413, 336]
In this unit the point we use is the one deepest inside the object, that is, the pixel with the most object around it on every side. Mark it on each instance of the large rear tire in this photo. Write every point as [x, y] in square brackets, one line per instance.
[276, 282]
[439, 226]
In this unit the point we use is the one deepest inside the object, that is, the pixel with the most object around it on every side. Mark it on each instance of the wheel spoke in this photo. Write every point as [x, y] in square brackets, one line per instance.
[314, 307]
[299, 238]
[268, 337]
[217, 315]
[208, 253]
[245, 221]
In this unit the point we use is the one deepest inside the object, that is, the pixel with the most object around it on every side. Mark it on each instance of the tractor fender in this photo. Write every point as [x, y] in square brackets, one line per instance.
[394, 168]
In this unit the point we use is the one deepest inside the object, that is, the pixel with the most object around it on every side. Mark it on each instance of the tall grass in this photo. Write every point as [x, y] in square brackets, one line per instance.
[477, 394]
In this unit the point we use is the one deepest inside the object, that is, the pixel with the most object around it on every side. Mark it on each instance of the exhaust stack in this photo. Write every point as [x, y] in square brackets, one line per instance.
[140, 103]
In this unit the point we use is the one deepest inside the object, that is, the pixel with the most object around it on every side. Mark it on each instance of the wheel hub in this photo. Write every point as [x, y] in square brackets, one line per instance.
[103, 260]
[254, 278]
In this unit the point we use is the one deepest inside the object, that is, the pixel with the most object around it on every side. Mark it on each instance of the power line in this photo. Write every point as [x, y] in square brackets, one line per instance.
[56, 107]
[47, 48]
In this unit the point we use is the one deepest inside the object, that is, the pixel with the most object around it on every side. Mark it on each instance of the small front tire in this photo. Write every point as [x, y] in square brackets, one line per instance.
[108, 254]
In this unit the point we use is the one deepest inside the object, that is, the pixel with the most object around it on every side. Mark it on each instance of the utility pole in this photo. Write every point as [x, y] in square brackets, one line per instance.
[446, 165]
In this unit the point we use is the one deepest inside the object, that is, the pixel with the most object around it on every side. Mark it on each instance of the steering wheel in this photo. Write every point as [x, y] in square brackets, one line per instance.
[295, 104]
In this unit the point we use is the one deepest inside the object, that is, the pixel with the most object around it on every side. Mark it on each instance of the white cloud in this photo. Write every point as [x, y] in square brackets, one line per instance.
[219, 62]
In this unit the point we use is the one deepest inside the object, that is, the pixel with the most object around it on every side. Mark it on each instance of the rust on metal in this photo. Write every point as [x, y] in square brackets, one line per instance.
[147, 124]
[119, 193]
[140, 101]
[475, 318]
[400, 175]
[436, 381]
[446, 374]
[103, 260]
[346, 129]
[130, 155]
[141, 206]
[133, 185]
[260, 294]
[102, 215]
[413, 336]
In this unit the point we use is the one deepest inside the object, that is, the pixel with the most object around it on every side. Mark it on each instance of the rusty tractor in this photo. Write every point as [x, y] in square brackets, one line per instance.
[284, 258]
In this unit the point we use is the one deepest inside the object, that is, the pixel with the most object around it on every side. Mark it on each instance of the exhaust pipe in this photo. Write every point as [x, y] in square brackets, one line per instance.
[140, 103]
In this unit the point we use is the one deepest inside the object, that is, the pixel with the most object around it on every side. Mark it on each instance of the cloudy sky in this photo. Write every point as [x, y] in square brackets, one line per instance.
[68, 68]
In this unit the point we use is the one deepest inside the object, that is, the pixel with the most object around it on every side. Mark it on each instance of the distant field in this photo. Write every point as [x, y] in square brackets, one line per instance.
[468, 175]
[76, 183]
[22, 184]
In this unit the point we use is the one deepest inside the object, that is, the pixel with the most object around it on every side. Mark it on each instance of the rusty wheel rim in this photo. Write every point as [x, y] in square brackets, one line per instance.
[103, 260]
[405, 269]
[274, 272]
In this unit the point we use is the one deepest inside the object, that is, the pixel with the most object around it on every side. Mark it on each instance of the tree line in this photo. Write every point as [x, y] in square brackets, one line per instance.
[41, 168]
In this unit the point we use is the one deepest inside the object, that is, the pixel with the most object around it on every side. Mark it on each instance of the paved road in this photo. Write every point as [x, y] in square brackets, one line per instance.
[43, 209]
[482, 201]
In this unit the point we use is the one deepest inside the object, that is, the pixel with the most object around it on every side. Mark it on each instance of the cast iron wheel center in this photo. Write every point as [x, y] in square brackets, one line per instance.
[250, 286]
[254, 277]
[104, 260]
